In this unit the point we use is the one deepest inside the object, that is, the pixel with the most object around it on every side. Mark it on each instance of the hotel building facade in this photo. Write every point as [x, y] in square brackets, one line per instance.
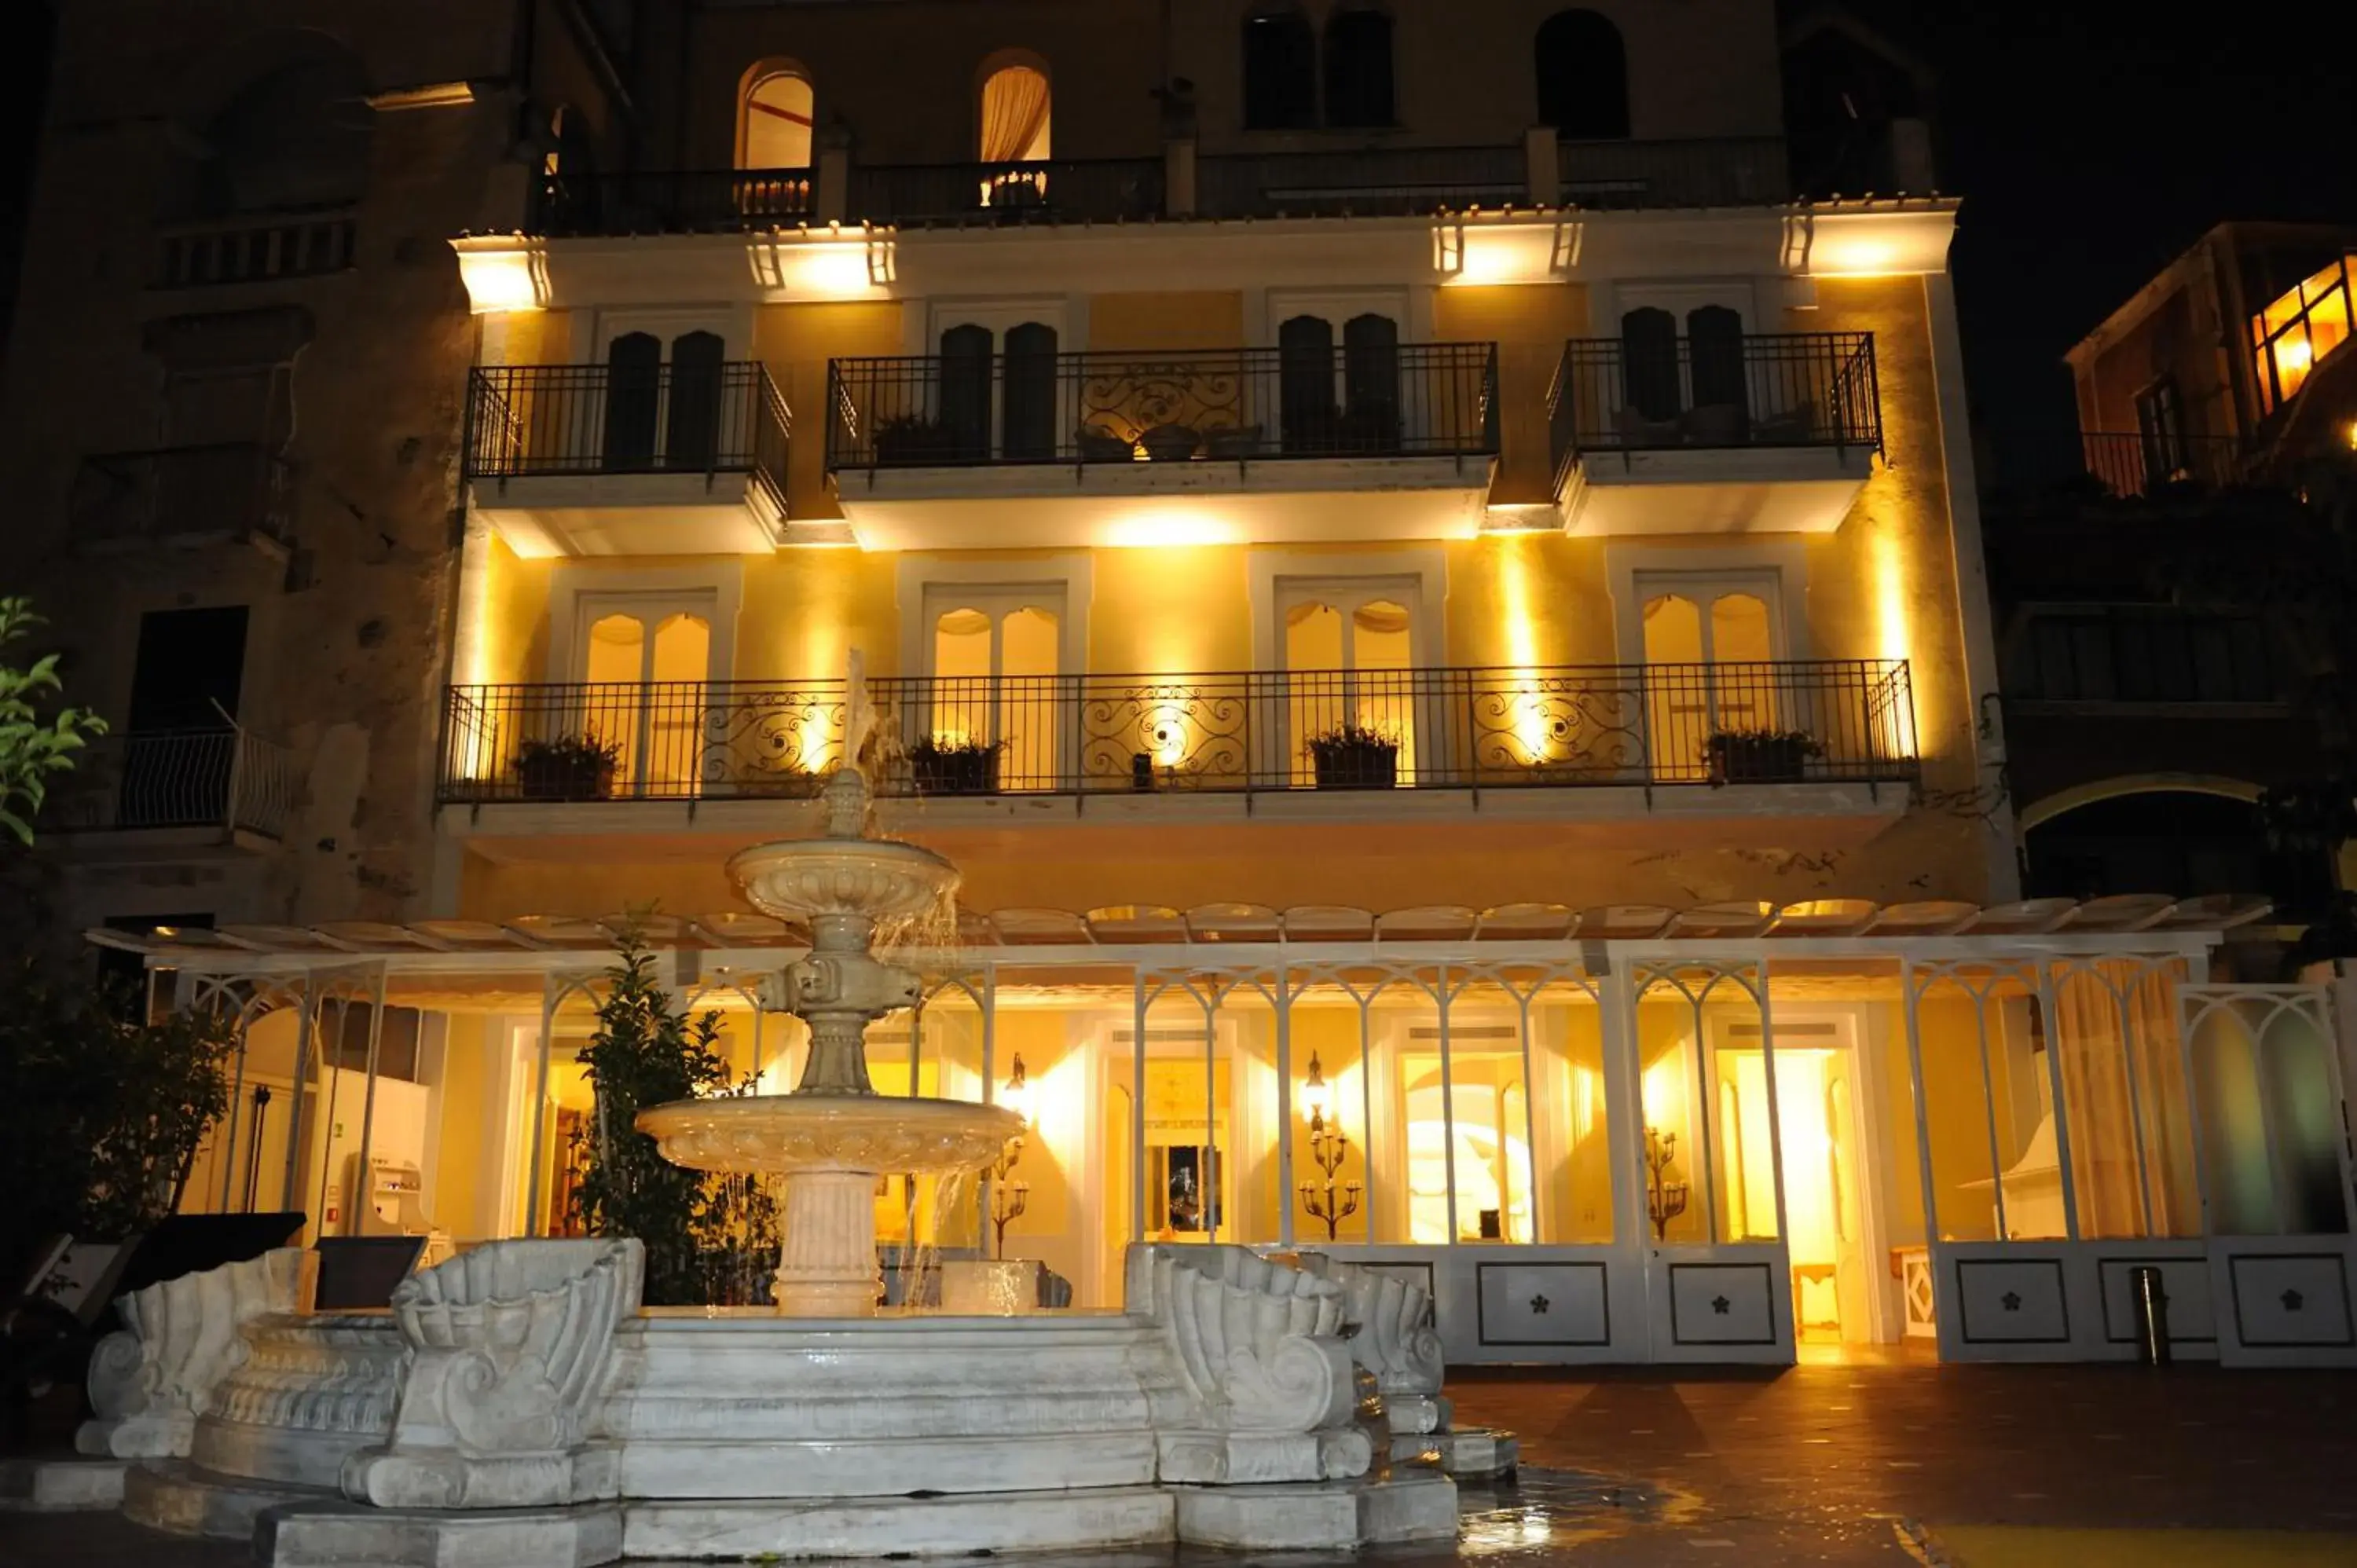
[1427, 578]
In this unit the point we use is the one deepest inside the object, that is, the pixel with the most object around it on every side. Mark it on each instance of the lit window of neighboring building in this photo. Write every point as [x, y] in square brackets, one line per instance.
[2300, 327]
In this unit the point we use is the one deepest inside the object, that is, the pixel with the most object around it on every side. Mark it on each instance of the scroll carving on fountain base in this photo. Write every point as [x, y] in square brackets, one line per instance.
[1262, 1387]
[150, 1380]
[508, 1347]
[1393, 1338]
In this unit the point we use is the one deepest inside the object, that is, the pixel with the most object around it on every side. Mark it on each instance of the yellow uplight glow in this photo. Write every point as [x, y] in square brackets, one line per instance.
[1505, 255]
[822, 268]
[504, 280]
[1164, 528]
[1514, 589]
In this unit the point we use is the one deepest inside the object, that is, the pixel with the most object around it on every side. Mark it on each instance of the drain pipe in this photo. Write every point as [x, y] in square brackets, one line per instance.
[2151, 1307]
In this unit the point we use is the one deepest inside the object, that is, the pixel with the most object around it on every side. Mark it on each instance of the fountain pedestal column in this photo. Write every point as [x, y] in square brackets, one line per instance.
[827, 1266]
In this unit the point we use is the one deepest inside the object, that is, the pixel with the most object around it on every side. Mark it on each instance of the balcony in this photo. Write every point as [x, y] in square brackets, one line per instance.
[1382, 441]
[598, 460]
[1726, 171]
[2132, 463]
[1741, 434]
[1067, 190]
[674, 201]
[176, 790]
[1831, 739]
[1370, 182]
[1380, 182]
[182, 495]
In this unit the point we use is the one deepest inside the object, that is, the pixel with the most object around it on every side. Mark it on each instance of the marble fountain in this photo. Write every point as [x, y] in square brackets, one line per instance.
[519, 1406]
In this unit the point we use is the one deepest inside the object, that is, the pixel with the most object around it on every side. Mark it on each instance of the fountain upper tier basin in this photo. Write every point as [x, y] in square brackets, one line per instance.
[814, 878]
[786, 1133]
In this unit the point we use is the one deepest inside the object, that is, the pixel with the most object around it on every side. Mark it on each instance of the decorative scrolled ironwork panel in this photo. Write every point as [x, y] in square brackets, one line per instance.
[1189, 732]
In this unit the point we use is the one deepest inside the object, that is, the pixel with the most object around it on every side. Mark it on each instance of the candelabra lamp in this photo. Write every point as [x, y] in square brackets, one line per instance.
[1664, 1200]
[1009, 1198]
[1324, 1199]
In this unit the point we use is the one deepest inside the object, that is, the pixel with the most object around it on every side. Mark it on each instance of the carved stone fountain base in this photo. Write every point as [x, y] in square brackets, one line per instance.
[518, 1407]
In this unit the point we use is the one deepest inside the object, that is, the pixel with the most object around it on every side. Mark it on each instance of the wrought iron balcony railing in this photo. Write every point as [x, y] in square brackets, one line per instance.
[674, 201]
[1226, 405]
[1788, 389]
[1061, 190]
[1245, 731]
[226, 778]
[1719, 171]
[539, 420]
[2133, 464]
[230, 488]
[1375, 182]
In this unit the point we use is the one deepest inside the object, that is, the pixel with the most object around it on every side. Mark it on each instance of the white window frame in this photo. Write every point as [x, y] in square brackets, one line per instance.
[577, 593]
[1780, 568]
[924, 582]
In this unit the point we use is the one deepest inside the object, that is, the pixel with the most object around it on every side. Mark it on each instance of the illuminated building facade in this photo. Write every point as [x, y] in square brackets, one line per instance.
[1436, 599]
[2152, 695]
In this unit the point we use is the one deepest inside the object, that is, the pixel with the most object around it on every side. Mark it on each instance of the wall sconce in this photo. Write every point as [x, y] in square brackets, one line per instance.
[1664, 1200]
[1008, 1199]
[1328, 1147]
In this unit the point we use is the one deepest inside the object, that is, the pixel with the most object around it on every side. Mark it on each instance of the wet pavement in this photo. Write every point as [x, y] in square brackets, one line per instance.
[1893, 1464]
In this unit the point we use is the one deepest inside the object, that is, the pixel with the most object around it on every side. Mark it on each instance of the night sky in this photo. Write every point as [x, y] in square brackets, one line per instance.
[2092, 141]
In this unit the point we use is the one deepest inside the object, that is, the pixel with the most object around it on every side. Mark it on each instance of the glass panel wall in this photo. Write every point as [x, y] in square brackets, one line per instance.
[1568, 1120]
[2270, 1134]
[1709, 1150]
[1988, 1103]
[1490, 1102]
[1333, 1103]
[2123, 1094]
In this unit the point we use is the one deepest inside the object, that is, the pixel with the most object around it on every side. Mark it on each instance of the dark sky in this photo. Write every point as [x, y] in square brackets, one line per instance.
[2092, 141]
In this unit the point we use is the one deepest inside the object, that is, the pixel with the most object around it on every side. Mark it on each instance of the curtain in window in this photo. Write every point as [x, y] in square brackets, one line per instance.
[2116, 1027]
[1013, 115]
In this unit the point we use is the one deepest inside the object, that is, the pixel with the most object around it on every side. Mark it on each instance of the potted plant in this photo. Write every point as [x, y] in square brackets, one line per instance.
[569, 768]
[1354, 757]
[944, 767]
[1761, 756]
[912, 440]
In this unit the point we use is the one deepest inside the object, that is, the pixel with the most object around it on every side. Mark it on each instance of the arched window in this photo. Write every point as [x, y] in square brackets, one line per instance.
[1583, 70]
[776, 129]
[293, 138]
[1280, 70]
[966, 391]
[1014, 104]
[1358, 67]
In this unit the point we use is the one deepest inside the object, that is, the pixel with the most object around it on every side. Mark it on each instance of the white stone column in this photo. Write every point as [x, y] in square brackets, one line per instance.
[826, 1267]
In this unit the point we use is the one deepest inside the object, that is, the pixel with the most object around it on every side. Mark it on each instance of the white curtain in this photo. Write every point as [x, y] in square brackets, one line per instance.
[1013, 115]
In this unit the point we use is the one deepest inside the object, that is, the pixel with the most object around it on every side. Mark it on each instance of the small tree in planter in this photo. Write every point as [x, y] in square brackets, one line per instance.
[642, 1054]
[1354, 757]
[570, 767]
[1761, 756]
[955, 767]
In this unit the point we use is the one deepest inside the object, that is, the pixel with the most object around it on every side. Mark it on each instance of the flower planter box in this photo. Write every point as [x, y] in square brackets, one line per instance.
[1354, 765]
[566, 777]
[1761, 759]
[959, 771]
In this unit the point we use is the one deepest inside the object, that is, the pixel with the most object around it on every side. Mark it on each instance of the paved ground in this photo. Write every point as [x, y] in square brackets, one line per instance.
[1977, 1467]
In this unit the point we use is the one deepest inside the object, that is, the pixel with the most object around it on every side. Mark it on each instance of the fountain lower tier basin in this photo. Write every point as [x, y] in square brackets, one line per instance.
[736, 1434]
[783, 1134]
